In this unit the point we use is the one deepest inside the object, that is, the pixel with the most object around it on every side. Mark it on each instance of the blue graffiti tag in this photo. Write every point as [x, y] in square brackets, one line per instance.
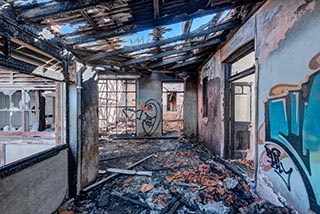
[292, 122]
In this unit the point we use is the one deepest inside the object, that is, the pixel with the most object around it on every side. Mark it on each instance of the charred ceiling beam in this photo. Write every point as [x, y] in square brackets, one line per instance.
[213, 21]
[55, 8]
[187, 63]
[19, 33]
[156, 9]
[27, 68]
[170, 61]
[145, 24]
[223, 26]
[90, 21]
[176, 51]
[186, 26]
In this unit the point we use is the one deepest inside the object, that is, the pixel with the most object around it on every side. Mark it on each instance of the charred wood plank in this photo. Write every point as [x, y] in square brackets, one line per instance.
[170, 204]
[20, 33]
[170, 61]
[186, 63]
[156, 9]
[114, 175]
[223, 26]
[27, 68]
[176, 51]
[174, 208]
[145, 24]
[129, 172]
[145, 205]
[55, 8]
[90, 21]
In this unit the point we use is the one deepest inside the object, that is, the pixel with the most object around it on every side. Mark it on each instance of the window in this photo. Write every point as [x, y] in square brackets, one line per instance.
[26, 110]
[31, 116]
[243, 64]
[117, 106]
[205, 96]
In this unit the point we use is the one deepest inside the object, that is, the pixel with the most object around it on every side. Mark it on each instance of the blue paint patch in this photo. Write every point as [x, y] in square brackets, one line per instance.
[311, 125]
[278, 119]
[295, 113]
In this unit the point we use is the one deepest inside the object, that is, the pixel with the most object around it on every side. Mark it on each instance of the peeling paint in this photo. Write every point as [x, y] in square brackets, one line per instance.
[274, 24]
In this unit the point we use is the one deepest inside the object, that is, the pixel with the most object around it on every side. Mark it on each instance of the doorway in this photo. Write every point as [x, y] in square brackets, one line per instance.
[241, 106]
[242, 101]
[172, 105]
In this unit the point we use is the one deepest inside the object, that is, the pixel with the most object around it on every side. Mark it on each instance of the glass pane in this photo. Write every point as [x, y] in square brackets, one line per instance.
[238, 89]
[4, 121]
[29, 100]
[242, 108]
[16, 121]
[243, 64]
[17, 100]
[246, 89]
[4, 100]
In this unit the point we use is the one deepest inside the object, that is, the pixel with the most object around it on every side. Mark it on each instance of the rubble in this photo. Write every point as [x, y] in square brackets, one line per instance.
[185, 179]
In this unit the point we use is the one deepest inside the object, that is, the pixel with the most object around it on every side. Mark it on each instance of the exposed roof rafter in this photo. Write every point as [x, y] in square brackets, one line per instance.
[140, 25]
[176, 51]
[54, 8]
[223, 26]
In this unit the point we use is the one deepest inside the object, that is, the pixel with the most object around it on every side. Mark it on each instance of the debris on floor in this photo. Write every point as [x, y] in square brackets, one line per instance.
[185, 179]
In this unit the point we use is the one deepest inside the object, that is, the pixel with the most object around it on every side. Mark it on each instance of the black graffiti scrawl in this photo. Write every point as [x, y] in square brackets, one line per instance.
[149, 114]
[274, 159]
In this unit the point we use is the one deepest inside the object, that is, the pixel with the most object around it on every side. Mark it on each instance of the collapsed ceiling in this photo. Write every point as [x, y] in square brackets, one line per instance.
[138, 35]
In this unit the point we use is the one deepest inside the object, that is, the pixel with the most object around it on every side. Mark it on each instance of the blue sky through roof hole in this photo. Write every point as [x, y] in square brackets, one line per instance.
[175, 30]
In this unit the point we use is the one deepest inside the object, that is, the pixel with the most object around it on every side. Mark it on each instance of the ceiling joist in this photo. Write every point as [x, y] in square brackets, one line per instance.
[176, 51]
[133, 26]
[55, 8]
[223, 26]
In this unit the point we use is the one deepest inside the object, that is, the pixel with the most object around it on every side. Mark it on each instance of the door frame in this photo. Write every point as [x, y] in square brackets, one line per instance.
[232, 120]
[229, 78]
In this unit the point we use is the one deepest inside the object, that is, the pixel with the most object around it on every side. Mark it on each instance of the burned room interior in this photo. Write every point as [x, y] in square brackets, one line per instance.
[158, 106]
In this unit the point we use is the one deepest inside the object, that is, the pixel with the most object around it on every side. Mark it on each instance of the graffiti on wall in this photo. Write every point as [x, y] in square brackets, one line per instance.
[149, 114]
[292, 131]
[275, 162]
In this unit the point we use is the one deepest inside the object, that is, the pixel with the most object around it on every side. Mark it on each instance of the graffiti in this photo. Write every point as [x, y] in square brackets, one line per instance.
[277, 165]
[150, 115]
[292, 121]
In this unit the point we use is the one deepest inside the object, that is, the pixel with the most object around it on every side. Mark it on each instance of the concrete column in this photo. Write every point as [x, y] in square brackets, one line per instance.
[89, 127]
[190, 107]
[149, 105]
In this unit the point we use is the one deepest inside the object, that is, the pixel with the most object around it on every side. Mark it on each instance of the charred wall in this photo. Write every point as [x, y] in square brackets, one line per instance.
[211, 123]
[37, 188]
[89, 127]
[287, 131]
[191, 107]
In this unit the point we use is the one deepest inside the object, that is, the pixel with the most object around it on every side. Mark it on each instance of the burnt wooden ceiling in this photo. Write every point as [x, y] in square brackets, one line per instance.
[99, 29]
